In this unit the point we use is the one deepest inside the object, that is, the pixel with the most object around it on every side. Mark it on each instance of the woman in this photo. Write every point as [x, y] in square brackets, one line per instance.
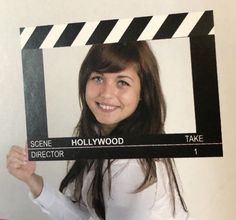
[120, 94]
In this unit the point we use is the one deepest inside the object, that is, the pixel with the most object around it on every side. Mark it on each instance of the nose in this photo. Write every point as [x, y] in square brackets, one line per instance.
[108, 90]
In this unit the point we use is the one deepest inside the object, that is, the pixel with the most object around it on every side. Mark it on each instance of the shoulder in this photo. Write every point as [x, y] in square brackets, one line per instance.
[133, 168]
[126, 170]
[126, 177]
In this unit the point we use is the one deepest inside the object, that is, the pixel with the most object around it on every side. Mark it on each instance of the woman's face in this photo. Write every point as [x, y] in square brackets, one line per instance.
[112, 97]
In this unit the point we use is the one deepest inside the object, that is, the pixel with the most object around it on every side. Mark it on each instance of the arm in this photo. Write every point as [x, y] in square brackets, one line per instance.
[52, 202]
[58, 206]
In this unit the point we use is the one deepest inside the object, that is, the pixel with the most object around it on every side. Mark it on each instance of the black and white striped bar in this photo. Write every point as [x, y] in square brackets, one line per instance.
[118, 30]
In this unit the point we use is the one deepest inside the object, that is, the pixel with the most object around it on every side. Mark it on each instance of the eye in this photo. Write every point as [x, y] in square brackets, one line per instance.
[122, 83]
[97, 78]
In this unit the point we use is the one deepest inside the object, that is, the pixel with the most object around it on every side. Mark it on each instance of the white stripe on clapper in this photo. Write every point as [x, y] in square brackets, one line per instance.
[152, 27]
[53, 36]
[212, 32]
[118, 31]
[85, 33]
[188, 24]
[25, 35]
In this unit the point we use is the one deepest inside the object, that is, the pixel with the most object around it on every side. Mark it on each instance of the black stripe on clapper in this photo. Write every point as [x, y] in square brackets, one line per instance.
[69, 34]
[135, 28]
[21, 30]
[101, 32]
[38, 36]
[170, 26]
[204, 25]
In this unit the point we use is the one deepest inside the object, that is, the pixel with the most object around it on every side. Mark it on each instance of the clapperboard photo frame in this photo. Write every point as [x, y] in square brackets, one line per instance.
[197, 27]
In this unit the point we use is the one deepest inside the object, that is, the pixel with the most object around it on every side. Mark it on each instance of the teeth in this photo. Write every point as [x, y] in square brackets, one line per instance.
[106, 107]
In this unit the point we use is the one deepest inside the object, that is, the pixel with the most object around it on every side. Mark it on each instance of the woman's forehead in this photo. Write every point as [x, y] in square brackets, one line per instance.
[130, 69]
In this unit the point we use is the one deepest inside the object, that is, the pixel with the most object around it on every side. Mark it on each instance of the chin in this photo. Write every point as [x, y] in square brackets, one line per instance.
[107, 123]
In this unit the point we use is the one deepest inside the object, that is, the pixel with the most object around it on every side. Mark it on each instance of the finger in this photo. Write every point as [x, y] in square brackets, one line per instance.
[14, 163]
[16, 156]
[19, 149]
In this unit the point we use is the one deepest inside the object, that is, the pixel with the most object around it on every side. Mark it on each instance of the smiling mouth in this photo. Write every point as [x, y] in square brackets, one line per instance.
[106, 107]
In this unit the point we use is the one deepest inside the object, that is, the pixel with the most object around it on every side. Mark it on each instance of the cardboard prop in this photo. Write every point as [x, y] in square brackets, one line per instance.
[197, 27]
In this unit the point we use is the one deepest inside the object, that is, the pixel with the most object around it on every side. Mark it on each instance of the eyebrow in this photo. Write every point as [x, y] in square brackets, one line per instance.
[119, 76]
[125, 76]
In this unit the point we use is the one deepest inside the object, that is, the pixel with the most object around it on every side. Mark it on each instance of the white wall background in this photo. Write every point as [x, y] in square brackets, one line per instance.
[209, 183]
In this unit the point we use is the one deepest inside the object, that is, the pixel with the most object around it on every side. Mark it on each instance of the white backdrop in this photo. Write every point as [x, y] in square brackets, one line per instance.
[209, 183]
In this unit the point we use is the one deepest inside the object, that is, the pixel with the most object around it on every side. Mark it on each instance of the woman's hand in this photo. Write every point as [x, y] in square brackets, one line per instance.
[24, 170]
[18, 164]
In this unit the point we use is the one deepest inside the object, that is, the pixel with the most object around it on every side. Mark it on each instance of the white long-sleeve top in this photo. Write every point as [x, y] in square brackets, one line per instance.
[154, 202]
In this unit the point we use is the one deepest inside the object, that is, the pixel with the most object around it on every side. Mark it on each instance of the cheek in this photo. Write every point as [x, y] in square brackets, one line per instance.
[131, 99]
[90, 92]
[86, 94]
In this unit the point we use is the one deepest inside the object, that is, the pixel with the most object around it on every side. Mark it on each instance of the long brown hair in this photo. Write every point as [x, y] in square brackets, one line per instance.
[148, 118]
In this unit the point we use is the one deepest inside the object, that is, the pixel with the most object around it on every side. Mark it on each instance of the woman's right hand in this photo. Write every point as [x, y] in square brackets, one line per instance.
[18, 164]
[24, 170]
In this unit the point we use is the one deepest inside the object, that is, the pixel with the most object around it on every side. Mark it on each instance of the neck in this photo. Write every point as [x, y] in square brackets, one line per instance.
[107, 129]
